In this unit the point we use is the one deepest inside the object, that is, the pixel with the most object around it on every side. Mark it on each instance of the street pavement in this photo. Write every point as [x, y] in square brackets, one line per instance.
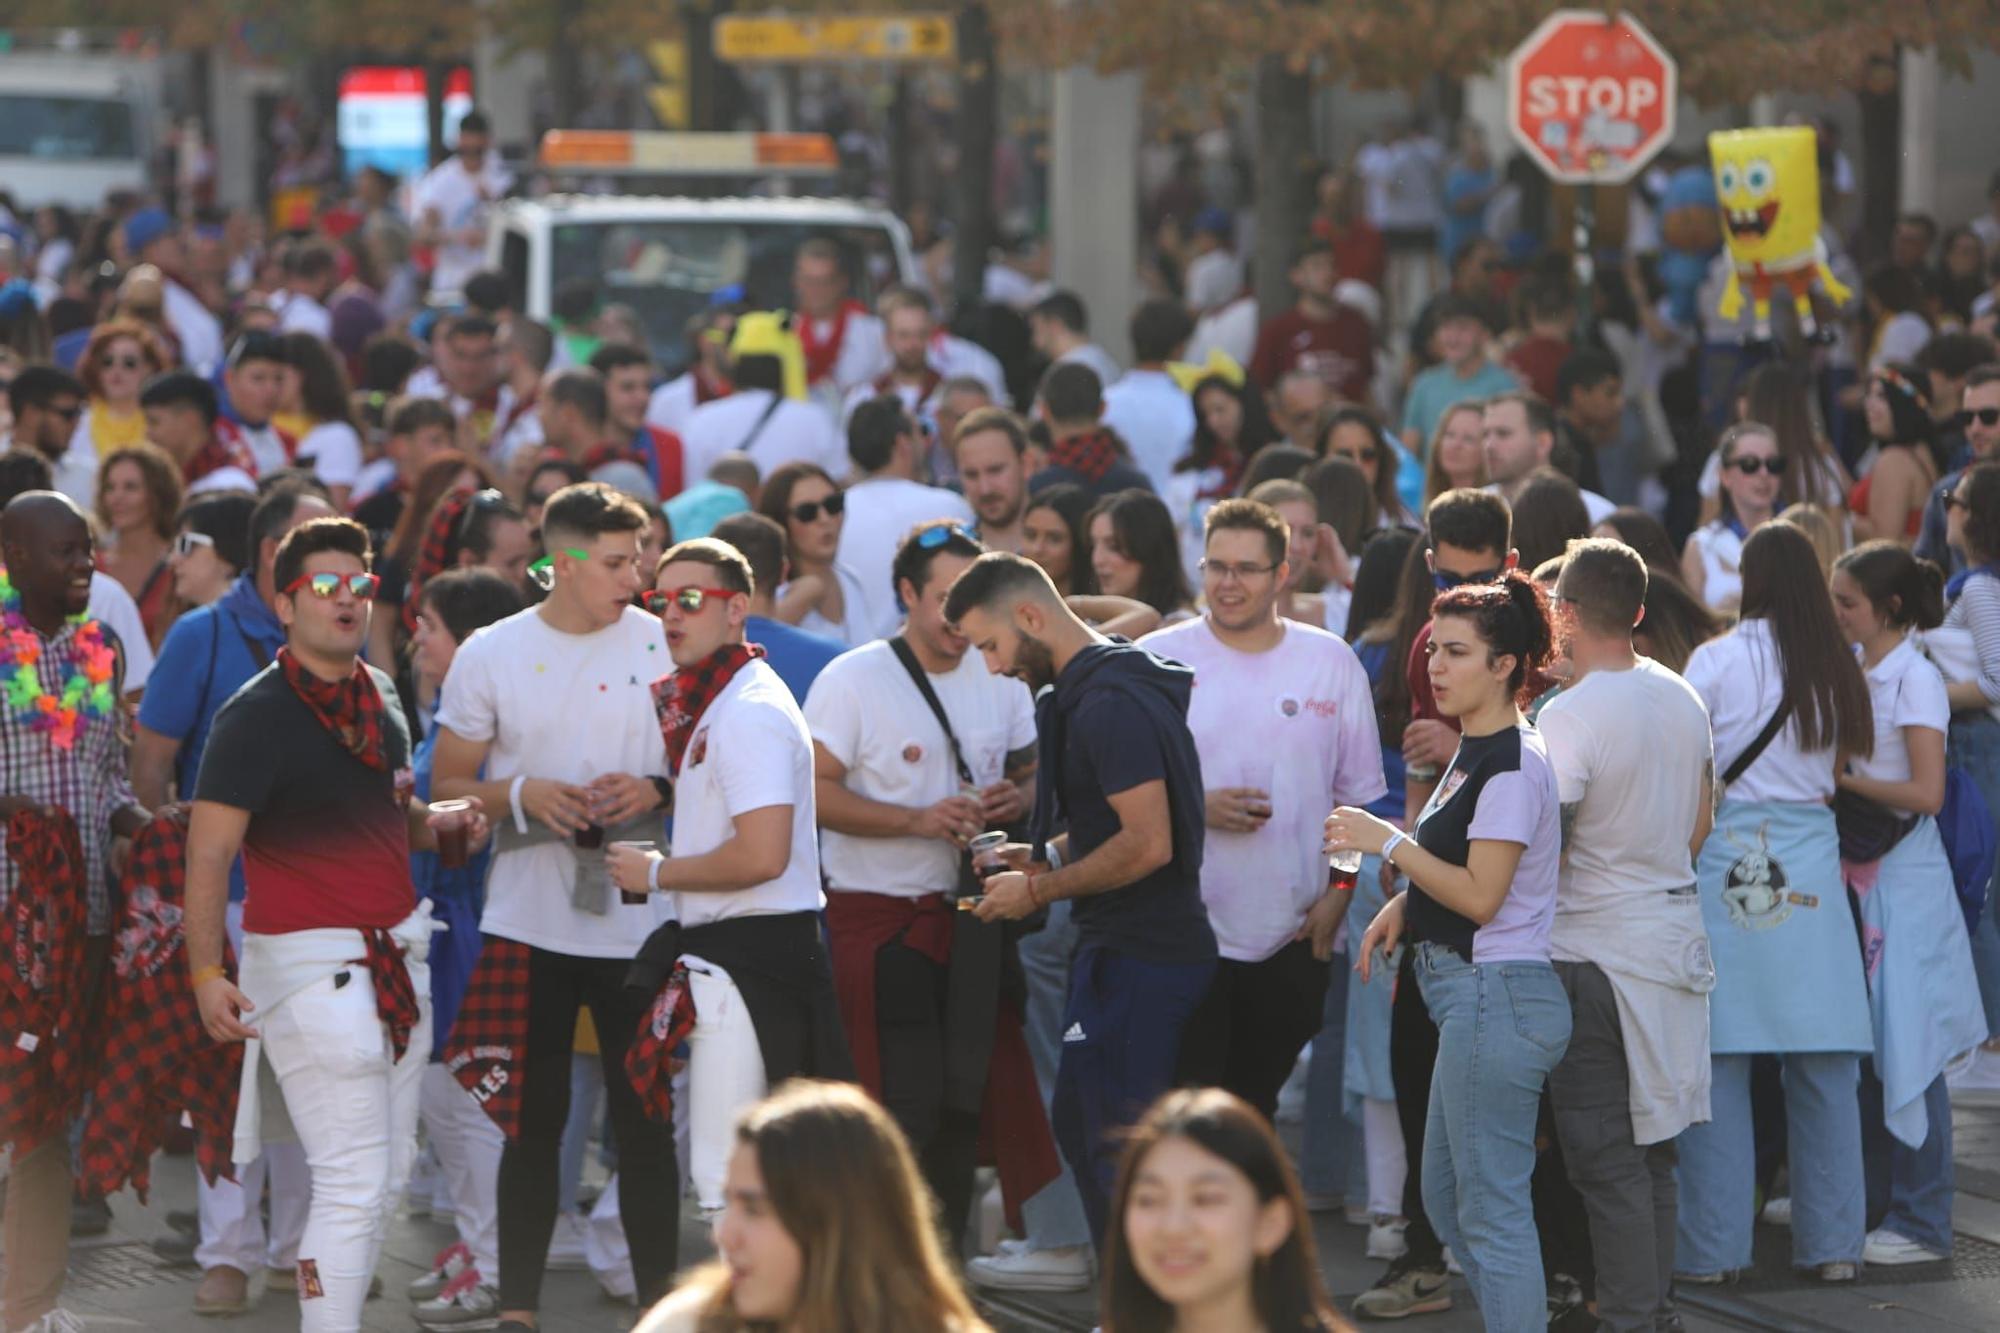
[115, 1283]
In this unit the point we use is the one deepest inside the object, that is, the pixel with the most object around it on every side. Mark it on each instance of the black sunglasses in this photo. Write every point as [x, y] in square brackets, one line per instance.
[1750, 467]
[809, 511]
[1985, 416]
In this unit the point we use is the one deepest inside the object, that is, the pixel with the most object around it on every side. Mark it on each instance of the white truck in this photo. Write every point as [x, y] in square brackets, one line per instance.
[74, 127]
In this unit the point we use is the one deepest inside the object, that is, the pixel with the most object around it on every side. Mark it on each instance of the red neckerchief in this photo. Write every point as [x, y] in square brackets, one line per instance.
[681, 697]
[822, 356]
[395, 993]
[232, 432]
[1090, 454]
[1230, 464]
[925, 387]
[215, 456]
[351, 709]
[522, 406]
[704, 394]
[610, 451]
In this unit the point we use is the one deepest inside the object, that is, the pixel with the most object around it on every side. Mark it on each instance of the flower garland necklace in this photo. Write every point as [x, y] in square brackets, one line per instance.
[86, 690]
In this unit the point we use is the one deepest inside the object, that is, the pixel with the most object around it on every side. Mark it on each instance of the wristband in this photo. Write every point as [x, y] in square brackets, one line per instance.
[209, 973]
[1034, 897]
[1053, 856]
[514, 802]
[653, 873]
[1389, 848]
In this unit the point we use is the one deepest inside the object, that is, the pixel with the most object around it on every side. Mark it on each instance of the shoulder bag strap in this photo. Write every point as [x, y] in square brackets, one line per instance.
[763, 420]
[901, 646]
[1764, 738]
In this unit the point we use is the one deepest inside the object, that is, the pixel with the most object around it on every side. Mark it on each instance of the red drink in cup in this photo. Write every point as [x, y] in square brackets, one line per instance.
[986, 862]
[453, 828]
[627, 896]
[1343, 868]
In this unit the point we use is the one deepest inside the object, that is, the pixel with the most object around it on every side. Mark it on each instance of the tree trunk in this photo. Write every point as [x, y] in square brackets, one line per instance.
[1880, 98]
[1284, 159]
[902, 186]
[978, 123]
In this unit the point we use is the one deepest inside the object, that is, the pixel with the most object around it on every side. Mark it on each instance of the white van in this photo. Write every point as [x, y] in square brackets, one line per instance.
[70, 138]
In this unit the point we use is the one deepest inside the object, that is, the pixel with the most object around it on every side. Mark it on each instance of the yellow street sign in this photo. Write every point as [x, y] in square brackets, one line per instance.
[906, 37]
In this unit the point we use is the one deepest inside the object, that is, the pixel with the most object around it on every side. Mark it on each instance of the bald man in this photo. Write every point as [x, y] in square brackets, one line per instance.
[47, 547]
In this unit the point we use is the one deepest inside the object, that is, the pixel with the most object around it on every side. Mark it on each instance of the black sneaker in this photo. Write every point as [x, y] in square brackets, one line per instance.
[175, 1249]
[1404, 1290]
[89, 1217]
[185, 1219]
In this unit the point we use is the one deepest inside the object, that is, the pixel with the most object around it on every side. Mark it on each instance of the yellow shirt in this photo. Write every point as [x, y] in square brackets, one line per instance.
[111, 429]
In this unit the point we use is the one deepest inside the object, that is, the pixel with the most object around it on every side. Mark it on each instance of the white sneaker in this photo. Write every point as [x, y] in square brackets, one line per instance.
[1023, 1269]
[56, 1321]
[467, 1303]
[1385, 1237]
[1356, 1215]
[1977, 1081]
[450, 1262]
[1451, 1263]
[1778, 1212]
[1888, 1248]
[566, 1243]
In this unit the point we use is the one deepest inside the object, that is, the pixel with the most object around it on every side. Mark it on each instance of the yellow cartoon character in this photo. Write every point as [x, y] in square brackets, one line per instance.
[772, 333]
[1767, 182]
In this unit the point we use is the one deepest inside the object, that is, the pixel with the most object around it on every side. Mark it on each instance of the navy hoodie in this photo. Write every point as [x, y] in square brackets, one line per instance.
[1116, 719]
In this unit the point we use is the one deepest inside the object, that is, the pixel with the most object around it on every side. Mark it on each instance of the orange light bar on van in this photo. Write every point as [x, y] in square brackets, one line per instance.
[660, 153]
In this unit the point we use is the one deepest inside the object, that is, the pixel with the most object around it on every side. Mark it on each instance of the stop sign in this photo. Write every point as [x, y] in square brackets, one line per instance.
[1591, 98]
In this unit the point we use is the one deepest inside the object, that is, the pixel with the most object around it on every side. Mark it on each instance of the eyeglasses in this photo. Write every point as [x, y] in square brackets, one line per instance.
[1953, 500]
[121, 363]
[1444, 580]
[1750, 467]
[543, 571]
[1241, 573]
[808, 512]
[480, 502]
[1985, 416]
[70, 413]
[932, 538]
[327, 586]
[187, 543]
[689, 599]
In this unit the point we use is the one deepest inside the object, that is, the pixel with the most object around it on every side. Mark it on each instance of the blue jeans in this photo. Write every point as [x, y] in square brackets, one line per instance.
[1919, 1180]
[1501, 1028]
[1054, 1215]
[1975, 747]
[1718, 1170]
[1331, 1157]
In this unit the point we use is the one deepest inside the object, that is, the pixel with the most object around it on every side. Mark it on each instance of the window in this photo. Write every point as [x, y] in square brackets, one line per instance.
[58, 128]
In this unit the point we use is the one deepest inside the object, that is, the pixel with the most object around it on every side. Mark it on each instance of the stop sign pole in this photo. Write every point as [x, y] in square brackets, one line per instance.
[1590, 99]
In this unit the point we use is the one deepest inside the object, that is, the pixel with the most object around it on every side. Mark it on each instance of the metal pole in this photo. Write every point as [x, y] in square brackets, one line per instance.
[1581, 237]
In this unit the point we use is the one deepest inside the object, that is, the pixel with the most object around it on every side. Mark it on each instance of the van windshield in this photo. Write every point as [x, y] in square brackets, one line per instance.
[667, 271]
[63, 128]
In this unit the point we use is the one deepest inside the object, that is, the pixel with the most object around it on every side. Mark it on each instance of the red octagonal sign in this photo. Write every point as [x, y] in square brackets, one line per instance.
[1590, 97]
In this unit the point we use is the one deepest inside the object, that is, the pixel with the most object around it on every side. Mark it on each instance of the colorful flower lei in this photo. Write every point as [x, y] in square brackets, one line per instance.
[86, 691]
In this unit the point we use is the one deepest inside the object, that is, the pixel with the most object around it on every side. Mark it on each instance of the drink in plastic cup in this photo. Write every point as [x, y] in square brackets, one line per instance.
[454, 832]
[986, 863]
[590, 837]
[1343, 868]
[627, 896]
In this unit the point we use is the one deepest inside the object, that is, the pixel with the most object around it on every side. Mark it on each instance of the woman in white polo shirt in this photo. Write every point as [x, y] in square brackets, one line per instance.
[1786, 704]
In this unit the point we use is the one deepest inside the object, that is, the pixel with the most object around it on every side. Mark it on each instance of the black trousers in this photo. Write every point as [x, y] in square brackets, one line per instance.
[559, 985]
[1247, 1032]
[910, 1009]
[1413, 1053]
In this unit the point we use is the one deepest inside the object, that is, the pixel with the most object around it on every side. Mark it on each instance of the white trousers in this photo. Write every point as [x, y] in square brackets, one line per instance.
[231, 1211]
[725, 1073]
[355, 1110]
[468, 1145]
[1382, 1139]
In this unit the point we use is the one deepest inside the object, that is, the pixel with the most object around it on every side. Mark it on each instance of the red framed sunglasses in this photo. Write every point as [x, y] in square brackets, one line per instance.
[326, 586]
[690, 599]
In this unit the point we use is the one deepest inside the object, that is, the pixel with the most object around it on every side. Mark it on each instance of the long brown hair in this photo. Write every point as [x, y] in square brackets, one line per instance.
[1415, 591]
[1287, 1288]
[89, 371]
[1823, 684]
[431, 485]
[1435, 481]
[162, 478]
[1780, 397]
[845, 1187]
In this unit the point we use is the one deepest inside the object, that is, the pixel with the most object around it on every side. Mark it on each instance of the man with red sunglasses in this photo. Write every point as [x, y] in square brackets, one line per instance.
[307, 774]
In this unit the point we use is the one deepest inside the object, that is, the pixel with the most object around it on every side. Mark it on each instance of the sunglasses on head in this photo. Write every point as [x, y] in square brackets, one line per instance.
[187, 543]
[689, 599]
[1445, 580]
[932, 538]
[808, 512]
[1985, 416]
[1750, 467]
[327, 586]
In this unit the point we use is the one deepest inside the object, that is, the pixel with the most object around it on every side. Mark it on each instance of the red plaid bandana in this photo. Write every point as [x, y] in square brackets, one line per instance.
[681, 697]
[704, 392]
[821, 357]
[487, 1049]
[395, 994]
[654, 1056]
[351, 709]
[925, 387]
[1230, 464]
[42, 1004]
[1091, 453]
[435, 551]
[214, 457]
[155, 1058]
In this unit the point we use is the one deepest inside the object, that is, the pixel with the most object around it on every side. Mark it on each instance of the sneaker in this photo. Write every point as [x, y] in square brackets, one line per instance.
[1024, 1269]
[1405, 1291]
[466, 1303]
[223, 1291]
[1706, 1279]
[451, 1261]
[1354, 1214]
[1778, 1212]
[175, 1249]
[89, 1217]
[1976, 1082]
[56, 1321]
[1836, 1272]
[566, 1243]
[1385, 1237]
[1451, 1263]
[1889, 1248]
[185, 1219]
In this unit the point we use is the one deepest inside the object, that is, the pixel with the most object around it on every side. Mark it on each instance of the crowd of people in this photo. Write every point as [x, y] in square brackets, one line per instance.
[1325, 719]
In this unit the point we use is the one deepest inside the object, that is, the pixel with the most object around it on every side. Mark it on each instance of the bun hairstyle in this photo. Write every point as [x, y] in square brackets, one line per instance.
[1908, 592]
[1512, 616]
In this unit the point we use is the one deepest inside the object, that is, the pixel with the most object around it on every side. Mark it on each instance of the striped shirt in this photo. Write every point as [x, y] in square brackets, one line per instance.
[1978, 611]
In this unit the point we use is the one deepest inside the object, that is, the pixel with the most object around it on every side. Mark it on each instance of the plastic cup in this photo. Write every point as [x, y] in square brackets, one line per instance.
[986, 863]
[454, 832]
[590, 837]
[627, 896]
[1343, 868]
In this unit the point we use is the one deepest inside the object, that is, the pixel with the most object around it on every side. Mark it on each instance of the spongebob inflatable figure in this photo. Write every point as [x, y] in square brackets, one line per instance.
[1767, 183]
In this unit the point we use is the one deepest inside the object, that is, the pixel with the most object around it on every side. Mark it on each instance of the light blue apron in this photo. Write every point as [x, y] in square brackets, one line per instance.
[1787, 964]
[1365, 1062]
[1922, 991]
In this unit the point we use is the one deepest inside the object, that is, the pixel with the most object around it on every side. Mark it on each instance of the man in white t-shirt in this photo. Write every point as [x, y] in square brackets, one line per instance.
[897, 810]
[311, 274]
[547, 714]
[887, 501]
[1519, 434]
[907, 328]
[451, 201]
[1060, 327]
[1284, 721]
[757, 419]
[1146, 408]
[743, 879]
[706, 377]
[1629, 741]
[842, 342]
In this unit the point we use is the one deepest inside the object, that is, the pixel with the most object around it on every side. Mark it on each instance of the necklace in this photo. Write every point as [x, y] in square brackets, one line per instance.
[86, 688]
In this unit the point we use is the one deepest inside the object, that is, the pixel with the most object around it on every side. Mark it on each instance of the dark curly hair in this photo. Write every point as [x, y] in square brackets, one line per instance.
[1512, 617]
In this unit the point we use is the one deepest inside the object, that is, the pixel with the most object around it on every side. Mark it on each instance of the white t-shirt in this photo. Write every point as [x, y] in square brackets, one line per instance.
[750, 751]
[1212, 278]
[1231, 330]
[299, 313]
[1299, 722]
[795, 432]
[866, 711]
[1721, 552]
[863, 354]
[880, 513]
[1906, 691]
[199, 331]
[1738, 678]
[857, 625]
[952, 356]
[1901, 339]
[1154, 418]
[333, 450]
[553, 705]
[1594, 504]
[461, 201]
[1099, 360]
[671, 405]
[110, 603]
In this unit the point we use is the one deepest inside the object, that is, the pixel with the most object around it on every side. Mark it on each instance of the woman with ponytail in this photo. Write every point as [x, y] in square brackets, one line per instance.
[1923, 994]
[1482, 870]
[1788, 707]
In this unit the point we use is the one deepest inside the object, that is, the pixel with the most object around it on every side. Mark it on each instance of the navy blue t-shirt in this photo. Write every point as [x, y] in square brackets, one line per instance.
[797, 655]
